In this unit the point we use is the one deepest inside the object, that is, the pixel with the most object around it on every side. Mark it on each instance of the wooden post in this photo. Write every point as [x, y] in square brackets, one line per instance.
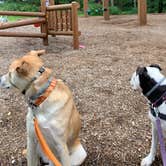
[142, 12]
[44, 26]
[75, 25]
[86, 8]
[106, 10]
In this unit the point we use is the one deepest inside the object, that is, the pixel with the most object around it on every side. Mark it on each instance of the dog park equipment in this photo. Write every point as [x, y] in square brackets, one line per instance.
[142, 10]
[53, 20]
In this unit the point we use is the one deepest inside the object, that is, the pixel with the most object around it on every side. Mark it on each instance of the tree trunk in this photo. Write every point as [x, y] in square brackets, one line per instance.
[160, 6]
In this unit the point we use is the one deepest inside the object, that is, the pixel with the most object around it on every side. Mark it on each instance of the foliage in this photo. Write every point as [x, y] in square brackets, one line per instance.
[120, 6]
[95, 9]
[21, 6]
[115, 10]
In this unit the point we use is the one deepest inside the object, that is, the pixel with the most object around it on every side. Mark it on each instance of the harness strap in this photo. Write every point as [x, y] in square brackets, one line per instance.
[161, 141]
[160, 115]
[155, 87]
[44, 145]
[37, 100]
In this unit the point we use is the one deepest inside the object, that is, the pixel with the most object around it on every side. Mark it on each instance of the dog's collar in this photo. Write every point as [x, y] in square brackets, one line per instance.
[44, 92]
[154, 87]
[38, 74]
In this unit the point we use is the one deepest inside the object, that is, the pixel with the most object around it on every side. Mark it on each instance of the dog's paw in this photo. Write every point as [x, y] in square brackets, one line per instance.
[147, 161]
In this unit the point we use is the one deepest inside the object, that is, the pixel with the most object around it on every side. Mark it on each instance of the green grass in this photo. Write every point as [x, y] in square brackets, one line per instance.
[15, 18]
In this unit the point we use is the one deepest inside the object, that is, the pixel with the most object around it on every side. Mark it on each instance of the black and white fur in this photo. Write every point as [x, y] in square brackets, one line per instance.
[144, 79]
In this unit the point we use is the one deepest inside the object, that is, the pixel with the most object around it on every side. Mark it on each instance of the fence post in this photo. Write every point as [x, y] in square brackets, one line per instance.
[142, 12]
[44, 26]
[86, 8]
[75, 25]
[106, 10]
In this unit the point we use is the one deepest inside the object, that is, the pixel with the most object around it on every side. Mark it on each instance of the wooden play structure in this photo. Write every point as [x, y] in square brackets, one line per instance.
[52, 19]
[142, 10]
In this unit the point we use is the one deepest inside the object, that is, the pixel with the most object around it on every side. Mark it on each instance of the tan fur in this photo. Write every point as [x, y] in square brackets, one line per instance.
[58, 117]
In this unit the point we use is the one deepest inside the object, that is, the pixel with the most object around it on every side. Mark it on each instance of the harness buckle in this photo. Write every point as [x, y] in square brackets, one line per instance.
[32, 105]
[156, 110]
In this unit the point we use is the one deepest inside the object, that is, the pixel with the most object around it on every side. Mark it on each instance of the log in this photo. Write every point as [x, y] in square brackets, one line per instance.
[75, 26]
[66, 33]
[22, 23]
[59, 7]
[22, 34]
[15, 13]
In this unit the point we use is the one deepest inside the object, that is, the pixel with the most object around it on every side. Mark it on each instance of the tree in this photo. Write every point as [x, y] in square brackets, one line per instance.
[112, 2]
[160, 6]
[135, 3]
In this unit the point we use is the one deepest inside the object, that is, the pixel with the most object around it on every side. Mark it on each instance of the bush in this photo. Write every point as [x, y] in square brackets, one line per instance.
[131, 11]
[21, 6]
[115, 10]
[95, 9]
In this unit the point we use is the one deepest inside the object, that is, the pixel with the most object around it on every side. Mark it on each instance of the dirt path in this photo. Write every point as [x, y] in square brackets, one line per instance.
[115, 127]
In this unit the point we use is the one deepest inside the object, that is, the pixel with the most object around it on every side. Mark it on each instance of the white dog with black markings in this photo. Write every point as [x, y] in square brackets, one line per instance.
[51, 102]
[152, 83]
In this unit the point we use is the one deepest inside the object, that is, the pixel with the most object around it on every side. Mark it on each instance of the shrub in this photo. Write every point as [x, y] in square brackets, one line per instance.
[115, 10]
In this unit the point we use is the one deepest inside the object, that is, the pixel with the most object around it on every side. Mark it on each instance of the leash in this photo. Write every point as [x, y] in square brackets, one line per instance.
[44, 144]
[34, 102]
[161, 138]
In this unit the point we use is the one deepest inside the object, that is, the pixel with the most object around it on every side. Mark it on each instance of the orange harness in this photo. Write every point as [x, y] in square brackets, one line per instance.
[39, 134]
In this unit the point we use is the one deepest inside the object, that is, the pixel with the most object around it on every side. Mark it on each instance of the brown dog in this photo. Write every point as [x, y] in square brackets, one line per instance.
[51, 102]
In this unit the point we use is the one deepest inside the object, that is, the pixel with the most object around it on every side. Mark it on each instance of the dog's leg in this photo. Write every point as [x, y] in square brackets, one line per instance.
[57, 145]
[77, 153]
[32, 154]
[147, 161]
[63, 153]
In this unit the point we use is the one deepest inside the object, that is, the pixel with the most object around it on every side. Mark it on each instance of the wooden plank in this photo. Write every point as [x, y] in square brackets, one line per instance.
[142, 12]
[22, 23]
[16, 13]
[22, 34]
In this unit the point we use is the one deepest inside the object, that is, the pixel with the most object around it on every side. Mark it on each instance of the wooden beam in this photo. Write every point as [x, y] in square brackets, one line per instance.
[60, 7]
[67, 33]
[15, 13]
[86, 8]
[106, 10]
[142, 12]
[22, 23]
[44, 26]
[75, 25]
[22, 34]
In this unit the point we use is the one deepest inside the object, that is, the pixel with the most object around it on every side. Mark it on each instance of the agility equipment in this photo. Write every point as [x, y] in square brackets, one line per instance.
[52, 19]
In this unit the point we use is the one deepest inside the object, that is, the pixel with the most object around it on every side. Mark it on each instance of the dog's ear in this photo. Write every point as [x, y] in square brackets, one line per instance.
[37, 53]
[141, 70]
[23, 69]
[156, 66]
